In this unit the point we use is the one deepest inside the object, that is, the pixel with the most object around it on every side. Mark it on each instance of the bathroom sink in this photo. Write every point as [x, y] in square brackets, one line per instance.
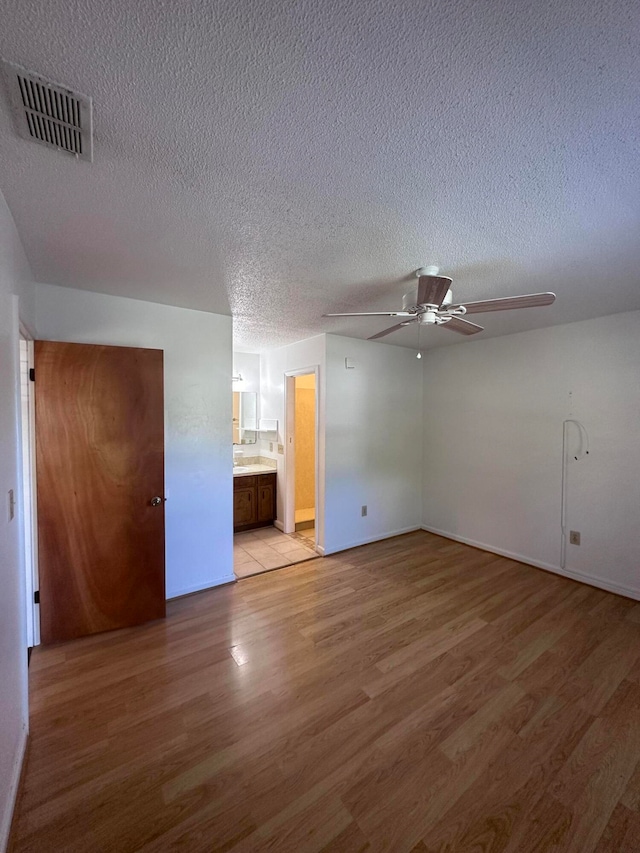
[240, 469]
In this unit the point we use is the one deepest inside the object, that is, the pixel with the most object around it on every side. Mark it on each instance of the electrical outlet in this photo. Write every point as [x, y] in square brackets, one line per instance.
[363, 510]
[574, 537]
[270, 447]
[281, 448]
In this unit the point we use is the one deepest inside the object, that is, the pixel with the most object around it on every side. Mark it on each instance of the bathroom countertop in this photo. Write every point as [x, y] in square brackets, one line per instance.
[247, 470]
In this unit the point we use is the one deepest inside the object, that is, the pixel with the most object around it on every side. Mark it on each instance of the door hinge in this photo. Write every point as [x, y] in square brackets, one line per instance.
[32, 374]
[36, 597]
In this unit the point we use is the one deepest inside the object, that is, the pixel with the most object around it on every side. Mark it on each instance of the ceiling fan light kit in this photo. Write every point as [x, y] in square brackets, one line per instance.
[432, 305]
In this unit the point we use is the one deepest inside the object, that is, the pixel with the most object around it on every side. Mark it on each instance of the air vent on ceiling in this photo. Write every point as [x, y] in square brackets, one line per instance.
[48, 113]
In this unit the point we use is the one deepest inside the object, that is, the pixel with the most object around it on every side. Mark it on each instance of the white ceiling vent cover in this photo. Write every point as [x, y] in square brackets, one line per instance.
[48, 113]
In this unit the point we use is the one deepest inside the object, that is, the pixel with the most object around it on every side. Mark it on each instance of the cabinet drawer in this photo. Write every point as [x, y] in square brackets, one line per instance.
[244, 483]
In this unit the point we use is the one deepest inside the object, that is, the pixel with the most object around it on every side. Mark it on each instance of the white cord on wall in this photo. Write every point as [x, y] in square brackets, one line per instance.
[577, 457]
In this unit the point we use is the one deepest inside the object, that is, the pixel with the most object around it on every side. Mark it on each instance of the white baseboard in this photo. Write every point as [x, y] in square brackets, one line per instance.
[14, 784]
[320, 550]
[379, 538]
[582, 577]
[200, 587]
[279, 525]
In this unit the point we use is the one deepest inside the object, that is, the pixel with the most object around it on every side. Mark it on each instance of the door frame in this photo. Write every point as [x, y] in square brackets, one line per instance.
[29, 497]
[289, 449]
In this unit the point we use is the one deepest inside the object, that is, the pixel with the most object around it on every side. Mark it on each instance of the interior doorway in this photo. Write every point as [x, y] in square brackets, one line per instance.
[292, 539]
[301, 501]
[305, 454]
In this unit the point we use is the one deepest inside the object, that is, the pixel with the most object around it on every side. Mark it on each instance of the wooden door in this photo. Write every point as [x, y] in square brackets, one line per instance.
[99, 464]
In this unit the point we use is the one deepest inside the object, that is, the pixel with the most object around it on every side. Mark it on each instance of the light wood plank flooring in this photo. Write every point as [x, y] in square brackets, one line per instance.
[411, 695]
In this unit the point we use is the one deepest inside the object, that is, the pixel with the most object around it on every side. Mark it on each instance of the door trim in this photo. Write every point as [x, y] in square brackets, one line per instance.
[29, 504]
[289, 450]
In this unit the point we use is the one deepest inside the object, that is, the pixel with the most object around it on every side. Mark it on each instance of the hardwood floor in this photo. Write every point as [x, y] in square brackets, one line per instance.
[411, 695]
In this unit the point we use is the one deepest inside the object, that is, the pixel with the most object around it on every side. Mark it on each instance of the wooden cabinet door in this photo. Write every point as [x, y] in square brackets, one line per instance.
[266, 499]
[99, 465]
[244, 506]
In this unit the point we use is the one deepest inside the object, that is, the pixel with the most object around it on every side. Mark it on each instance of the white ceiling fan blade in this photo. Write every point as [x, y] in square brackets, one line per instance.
[392, 329]
[531, 300]
[463, 327]
[373, 314]
[432, 289]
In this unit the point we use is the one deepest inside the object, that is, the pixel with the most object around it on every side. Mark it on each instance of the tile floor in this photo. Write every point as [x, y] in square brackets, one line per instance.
[268, 548]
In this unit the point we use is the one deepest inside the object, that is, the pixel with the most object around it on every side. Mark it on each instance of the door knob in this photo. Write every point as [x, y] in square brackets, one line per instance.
[157, 501]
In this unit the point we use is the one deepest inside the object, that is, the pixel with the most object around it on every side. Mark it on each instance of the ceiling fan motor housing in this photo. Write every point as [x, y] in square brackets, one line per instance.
[410, 300]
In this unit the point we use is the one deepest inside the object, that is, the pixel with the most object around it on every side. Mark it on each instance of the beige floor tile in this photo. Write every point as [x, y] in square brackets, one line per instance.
[242, 538]
[267, 533]
[246, 569]
[260, 550]
[300, 554]
[241, 556]
[274, 562]
[269, 548]
[284, 547]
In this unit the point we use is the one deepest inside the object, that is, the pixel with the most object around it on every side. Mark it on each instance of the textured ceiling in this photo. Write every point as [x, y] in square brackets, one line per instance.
[278, 160]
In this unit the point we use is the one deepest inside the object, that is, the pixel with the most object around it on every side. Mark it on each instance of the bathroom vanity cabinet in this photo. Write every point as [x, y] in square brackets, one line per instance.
[254, 501]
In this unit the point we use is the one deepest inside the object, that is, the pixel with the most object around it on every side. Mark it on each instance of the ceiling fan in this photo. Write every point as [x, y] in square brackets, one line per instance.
[433, 305]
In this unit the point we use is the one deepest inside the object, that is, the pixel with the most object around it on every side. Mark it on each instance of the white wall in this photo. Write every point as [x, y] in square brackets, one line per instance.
[370, 435]
[197, 369]
[16, 300]
[373, 442]
[247, 365]
[273, 366]
[493, 413]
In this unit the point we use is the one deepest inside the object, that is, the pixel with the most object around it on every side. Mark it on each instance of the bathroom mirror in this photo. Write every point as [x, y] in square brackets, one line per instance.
[245, 417]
